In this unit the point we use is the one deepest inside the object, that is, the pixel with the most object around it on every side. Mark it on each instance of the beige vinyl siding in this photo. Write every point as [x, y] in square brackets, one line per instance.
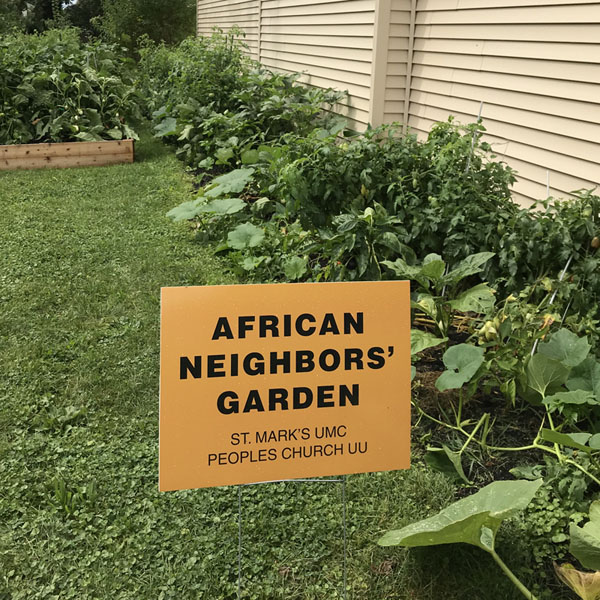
[535, 66]
[330, 42]
[227, 13]
[397, 60]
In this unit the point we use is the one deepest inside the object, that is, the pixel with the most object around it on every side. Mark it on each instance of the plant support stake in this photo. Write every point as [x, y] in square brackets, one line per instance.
[561, 277]
[473, 139]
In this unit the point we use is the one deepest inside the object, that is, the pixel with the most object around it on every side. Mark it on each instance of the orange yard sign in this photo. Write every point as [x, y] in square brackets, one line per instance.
[268, 382]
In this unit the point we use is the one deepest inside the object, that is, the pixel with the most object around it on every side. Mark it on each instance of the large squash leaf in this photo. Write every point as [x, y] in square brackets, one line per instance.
[566, 347]
[571, 440]
[433, 267]
[186, 210]
[403, 270]
[478, 299]
[586, 376]
[166, 127]
[585, 541]
[421, 340]
[544, 373]
[295, 268]
[472, 520]
[230, 183]
[223, 206]
[562, 400]
[468, 266]
[244, 236]
[462, 362]
[447, 462]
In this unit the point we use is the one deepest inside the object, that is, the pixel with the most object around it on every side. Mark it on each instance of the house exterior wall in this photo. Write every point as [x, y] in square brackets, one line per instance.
[330, 40]
[535, 65]
[227, 13]
[397, 62]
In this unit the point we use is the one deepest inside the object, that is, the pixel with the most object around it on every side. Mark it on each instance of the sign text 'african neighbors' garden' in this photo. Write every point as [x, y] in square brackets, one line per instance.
[278, 381]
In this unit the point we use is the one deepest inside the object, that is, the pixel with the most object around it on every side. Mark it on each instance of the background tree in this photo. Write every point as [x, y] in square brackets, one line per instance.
[10, 16]
[31, 16]
[122, 21]
[36, 14]
[168, 21]
[85, 14]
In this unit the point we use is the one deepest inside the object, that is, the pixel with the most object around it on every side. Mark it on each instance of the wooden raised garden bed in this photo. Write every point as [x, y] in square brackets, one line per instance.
[67, 154]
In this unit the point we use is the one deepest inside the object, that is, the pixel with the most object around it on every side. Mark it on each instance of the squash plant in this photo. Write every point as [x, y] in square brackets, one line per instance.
[561, 378]
[473, 520]
[585, 585]
[585, 547]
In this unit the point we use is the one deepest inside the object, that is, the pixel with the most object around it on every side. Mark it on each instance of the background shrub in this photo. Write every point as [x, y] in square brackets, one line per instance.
[126, 21]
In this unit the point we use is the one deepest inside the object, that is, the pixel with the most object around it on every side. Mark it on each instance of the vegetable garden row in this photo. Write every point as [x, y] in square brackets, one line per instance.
[506, 381]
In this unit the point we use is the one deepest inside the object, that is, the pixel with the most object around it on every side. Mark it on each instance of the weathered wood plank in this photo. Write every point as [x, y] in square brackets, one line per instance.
[68, 154]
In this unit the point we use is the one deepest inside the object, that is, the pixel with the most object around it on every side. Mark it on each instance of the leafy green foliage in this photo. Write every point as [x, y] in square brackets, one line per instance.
[462, 361]
[424, 184]
[53, 88]
[438, 292]
[357, 244]
[566, 402]
[545, 374]
[448, 462]
[10, 16]
[508, 337]
[557, 505]
[245, 235]
[218, 107]
[375, 200]
[473, 520]
[565, 347]
[29, 16]
[230, 183]
[585, 541]
[570, 440]
[469, 520]
[84, 15]
[71, 500]
[563, 362]
[421, 340]
[126, 21]
[586, 376]
[295, 268]
[186, 210]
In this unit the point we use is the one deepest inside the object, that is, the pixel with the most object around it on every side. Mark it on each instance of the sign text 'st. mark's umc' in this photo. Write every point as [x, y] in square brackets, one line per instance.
[267, 382]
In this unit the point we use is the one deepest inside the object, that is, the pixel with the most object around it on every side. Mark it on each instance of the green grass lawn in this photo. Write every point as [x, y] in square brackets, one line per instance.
[83, 254]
